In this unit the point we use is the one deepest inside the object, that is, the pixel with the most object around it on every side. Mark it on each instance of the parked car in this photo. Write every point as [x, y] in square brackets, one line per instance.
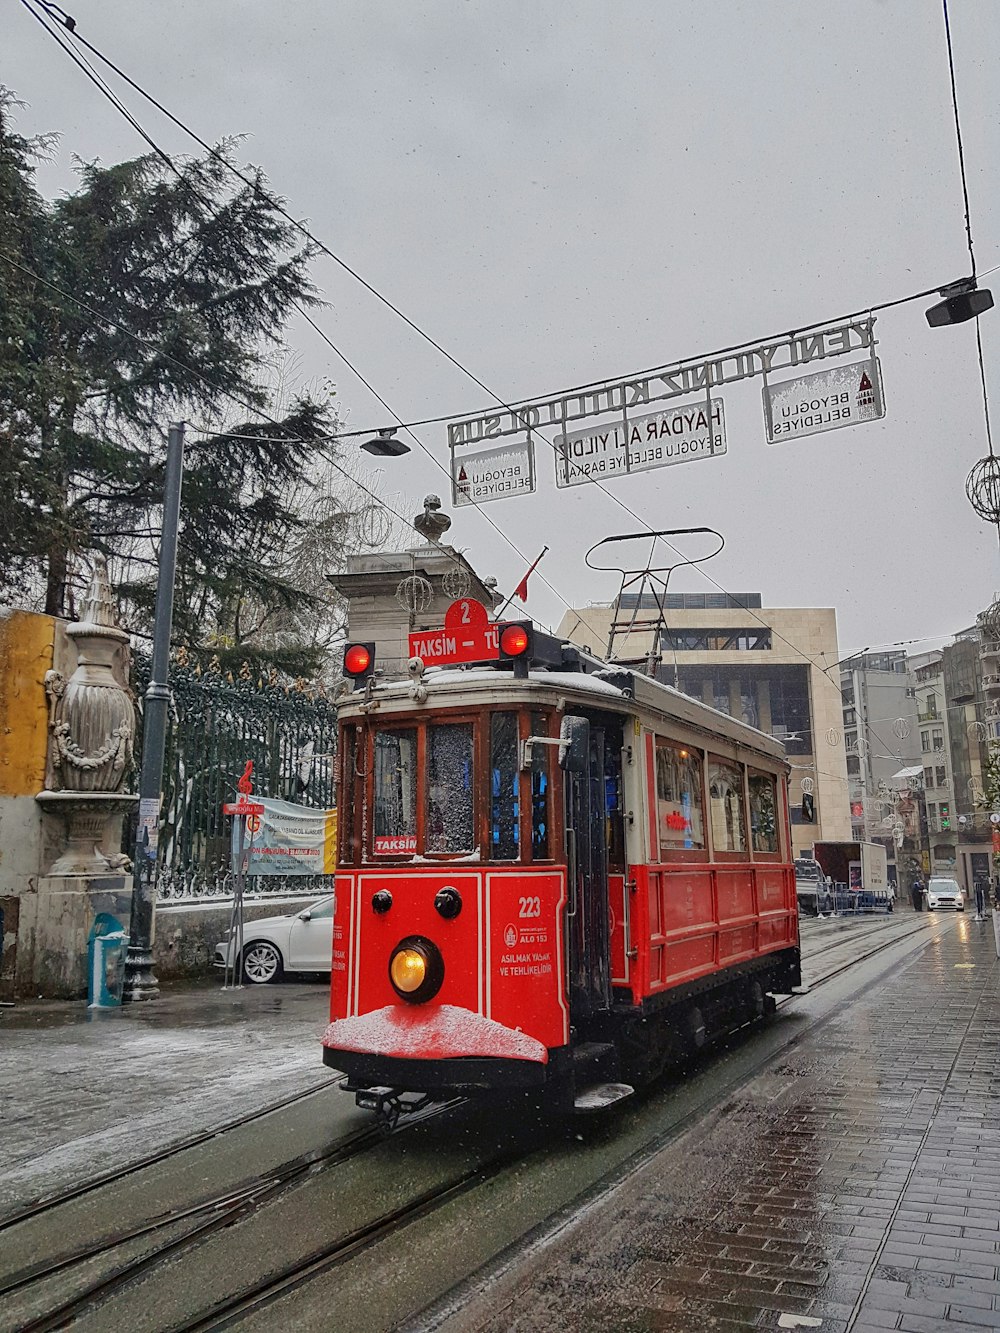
[298, 942]
[942, 891]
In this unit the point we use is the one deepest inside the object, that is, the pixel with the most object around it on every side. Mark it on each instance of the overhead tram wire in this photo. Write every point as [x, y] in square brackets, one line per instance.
[968, 220]
[67, 22]
[102, 87]
[167, 159]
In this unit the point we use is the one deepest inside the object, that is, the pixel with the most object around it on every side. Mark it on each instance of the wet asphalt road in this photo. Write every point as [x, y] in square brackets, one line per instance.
[694, 1132]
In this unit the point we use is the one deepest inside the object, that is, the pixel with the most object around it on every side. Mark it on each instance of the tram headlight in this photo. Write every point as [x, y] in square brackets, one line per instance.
[416, 969]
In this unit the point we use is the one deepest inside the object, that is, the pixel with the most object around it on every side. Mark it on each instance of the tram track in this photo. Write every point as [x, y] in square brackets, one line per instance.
[208, 1216]
[49, 1203]
[273, 1289]
[199, 1221]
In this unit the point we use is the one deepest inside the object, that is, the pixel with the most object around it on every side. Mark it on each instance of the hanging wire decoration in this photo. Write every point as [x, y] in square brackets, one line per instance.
[807, 785]
[414, 593]
[456, 582]
[833, 736]
[374, 526]
[901, 728]
[977, 731]
[982, 486]
[989, 623]
[975, 790]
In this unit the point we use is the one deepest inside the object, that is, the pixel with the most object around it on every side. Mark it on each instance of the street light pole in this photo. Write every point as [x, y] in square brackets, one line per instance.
[140, 982]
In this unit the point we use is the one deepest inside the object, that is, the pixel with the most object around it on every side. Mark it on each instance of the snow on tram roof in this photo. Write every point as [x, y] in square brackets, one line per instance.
[575, 680]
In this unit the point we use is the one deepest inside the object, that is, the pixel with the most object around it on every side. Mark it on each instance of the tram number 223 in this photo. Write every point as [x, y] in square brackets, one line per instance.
[530, 907]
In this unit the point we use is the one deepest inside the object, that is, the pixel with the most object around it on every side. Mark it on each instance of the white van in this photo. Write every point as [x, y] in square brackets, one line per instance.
[943, 891]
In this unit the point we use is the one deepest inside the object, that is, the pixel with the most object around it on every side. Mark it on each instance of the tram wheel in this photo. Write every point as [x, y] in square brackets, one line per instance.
[755, 1001]
[697, 1032]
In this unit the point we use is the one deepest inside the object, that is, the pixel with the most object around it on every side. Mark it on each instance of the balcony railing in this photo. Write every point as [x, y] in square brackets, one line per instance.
[932, 715]
[991, 682]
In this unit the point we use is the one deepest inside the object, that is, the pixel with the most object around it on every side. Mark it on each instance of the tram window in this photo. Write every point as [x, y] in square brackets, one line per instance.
[449, 788]
[505, 840]
[679, 803]
[764, 812]
[540, 783]
[725, 793]
[396, 791]
[348, 790]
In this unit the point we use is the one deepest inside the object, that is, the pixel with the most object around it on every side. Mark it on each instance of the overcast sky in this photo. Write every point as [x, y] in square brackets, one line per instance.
[565, 192]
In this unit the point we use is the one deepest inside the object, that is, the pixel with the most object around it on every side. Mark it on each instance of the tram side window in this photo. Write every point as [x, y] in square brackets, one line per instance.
[504, 774]
[396, 791]
[764, 812]
[348, 790]
[679, 803]
[449, 788]
[725, 793]
[540, 783]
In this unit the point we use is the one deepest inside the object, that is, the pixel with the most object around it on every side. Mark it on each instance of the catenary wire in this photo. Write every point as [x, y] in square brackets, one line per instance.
[99, 82]
[70, 24]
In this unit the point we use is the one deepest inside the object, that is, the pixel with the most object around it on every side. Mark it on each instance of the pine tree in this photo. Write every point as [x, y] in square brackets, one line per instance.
[160, 294]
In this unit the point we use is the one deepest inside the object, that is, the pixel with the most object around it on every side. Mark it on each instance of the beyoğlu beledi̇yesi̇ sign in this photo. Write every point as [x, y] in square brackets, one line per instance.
[827, 400]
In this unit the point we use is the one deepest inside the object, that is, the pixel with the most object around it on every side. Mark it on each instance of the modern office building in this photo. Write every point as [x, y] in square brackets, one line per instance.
[775, 668]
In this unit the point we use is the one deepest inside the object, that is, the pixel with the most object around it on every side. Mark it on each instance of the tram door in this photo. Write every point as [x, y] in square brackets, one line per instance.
[587, 859]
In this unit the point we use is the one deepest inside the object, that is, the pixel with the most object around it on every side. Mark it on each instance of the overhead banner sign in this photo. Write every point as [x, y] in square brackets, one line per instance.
[492, 474]
[675, 435]
[682, 380]
[287, 839]
[826, 400]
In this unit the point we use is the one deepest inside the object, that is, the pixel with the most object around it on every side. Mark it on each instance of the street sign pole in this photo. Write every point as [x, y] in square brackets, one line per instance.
[140, 982]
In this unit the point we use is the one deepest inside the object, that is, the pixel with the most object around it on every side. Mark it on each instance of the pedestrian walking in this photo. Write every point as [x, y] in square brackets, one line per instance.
[980, 899]
[917, 894]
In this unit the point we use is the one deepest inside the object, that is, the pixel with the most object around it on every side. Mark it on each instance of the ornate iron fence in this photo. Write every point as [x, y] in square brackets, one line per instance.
[217, 722]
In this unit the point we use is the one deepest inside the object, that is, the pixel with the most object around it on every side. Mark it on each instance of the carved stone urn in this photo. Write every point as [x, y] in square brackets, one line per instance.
[92, 728]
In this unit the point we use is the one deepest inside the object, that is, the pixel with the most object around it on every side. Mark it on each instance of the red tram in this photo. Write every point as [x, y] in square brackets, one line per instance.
[552, 874]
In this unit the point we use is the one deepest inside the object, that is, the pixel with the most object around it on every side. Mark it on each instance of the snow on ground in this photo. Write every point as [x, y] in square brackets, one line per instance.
[82, 1094]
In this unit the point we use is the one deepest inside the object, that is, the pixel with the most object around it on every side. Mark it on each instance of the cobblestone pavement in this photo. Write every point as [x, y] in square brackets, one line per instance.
[855, 1186]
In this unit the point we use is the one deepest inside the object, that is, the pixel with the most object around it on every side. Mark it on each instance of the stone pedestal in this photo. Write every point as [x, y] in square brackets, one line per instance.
[63, 910]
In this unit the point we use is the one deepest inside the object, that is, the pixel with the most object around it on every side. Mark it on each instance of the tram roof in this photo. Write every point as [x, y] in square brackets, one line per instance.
[616, 687]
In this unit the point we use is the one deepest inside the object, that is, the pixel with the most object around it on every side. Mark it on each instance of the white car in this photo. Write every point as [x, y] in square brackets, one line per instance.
[943, 891]
[299, 942]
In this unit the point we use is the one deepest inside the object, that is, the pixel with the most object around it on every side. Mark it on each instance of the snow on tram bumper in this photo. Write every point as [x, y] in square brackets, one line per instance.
[433, 1048]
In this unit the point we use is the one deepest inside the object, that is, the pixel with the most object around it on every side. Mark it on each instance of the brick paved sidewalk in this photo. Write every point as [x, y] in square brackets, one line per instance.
[853, 1187]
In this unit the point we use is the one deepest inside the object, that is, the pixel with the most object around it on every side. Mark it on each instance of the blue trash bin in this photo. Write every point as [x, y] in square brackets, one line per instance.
[106, 948]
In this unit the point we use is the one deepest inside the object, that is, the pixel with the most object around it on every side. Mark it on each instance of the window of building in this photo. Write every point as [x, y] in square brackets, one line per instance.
[850, 717]
[763, 812]
[679, 801]
[725, 794]
[928, 777]
[853, 765]
[937, 738]
[716, 640]
[932, 815]
[930, 705]
[925, 741]
[942, 775]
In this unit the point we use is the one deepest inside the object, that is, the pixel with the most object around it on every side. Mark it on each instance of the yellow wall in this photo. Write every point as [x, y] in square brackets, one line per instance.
[26, 646]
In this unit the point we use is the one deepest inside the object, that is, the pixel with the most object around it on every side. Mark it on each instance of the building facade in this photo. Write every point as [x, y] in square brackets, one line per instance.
[773, 668]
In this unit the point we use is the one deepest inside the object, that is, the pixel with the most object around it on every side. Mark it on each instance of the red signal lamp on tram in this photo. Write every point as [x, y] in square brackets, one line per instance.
[517, 641]
[359, 662]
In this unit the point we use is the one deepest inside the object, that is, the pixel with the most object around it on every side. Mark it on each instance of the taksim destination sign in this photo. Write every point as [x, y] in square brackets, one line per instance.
[676, 435]
[841, 396]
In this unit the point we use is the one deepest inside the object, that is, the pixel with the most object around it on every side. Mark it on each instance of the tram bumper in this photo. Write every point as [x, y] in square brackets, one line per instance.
[441, 1048]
